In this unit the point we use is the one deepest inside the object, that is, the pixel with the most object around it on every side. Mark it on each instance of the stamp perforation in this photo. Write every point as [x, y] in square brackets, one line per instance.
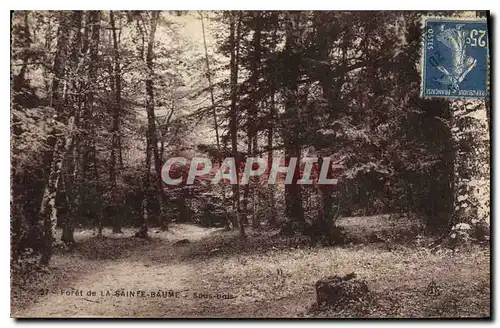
[468, 18]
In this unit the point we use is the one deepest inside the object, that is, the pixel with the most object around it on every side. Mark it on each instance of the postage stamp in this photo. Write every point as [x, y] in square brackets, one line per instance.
[455, 58]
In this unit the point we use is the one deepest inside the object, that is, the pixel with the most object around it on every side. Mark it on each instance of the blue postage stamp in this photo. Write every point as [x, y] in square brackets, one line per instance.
[455, 58]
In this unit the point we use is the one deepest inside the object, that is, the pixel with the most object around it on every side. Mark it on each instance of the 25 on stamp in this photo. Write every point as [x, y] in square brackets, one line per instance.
[455, 58]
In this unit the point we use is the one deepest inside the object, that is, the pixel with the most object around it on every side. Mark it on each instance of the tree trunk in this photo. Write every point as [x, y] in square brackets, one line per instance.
[324, 224]
[293, 192]
[246, 188]
[143, 230]
[95, 165]
[48, 209]
[68, 228]
[152, 121]
[471, 167]
[272, 201]
[115, 124]
[234, 37]
[78, 150]
[252, 108]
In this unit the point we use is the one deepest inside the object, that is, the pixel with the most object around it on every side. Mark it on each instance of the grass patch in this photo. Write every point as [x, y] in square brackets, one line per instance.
[393, 229]
[229, 243]
[275, 275]
[398, 279]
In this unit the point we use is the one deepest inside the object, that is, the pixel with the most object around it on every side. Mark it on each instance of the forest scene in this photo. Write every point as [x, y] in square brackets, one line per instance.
[101, 100]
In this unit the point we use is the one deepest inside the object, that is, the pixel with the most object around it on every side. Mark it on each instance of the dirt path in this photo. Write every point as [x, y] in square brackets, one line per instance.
[126, 275]
[151, 282]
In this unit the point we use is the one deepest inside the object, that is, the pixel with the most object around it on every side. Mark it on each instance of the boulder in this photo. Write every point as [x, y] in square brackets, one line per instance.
[337, 290]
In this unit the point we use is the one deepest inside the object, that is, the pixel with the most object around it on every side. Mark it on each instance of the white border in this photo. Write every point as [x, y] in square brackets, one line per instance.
[204, 5]
[248, 5]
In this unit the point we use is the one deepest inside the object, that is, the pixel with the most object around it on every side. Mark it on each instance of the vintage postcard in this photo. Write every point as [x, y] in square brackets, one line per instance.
[250, 164]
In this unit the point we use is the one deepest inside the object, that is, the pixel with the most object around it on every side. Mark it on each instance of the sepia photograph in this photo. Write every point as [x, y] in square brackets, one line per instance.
[255, 164]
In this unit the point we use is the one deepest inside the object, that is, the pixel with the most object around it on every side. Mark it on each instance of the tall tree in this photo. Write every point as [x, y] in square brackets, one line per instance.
[74, 171]
[66, 117]
[290, 75]
[255, 100]
[150, 109]
[116, 86]
[234, 46]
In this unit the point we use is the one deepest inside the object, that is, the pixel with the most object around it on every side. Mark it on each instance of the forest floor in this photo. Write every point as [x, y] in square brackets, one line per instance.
[218, 275]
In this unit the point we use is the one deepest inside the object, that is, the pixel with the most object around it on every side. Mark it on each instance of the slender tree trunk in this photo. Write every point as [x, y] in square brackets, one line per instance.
[152, 122]
[69, 185]
[252, 108]
[95, 164]
[234, 45]
[270, 131]
[143, 230]
[293, 192]
[325, 225]
[246, 187]
[115, 125]
[270, 135]
[68, 228]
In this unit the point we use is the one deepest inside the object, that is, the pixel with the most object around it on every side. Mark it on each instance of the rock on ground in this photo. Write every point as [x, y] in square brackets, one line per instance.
[337, 290]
